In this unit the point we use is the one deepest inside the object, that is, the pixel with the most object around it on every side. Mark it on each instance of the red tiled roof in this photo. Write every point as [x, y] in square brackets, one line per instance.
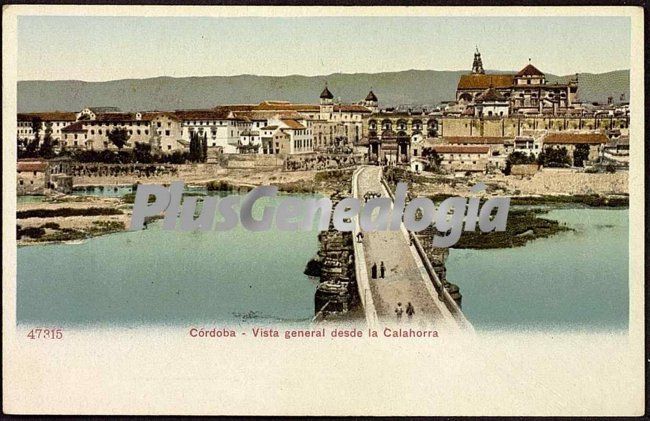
[150, 115]
[530, 70]
[351, 108]
[115, 117]
[482, 81]
[461, 149]
[490, 95]
[220, 114]
[575, 138]
[29, 166]
[75, 127]
[476, 140]
[49, 116]
[293, 124]
[287, 106]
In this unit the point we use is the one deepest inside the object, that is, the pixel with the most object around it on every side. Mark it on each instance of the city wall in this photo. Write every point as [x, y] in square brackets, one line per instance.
[518, 126]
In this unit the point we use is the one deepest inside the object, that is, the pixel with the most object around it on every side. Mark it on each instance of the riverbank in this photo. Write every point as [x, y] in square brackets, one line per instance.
[70, 218]
[544, 187]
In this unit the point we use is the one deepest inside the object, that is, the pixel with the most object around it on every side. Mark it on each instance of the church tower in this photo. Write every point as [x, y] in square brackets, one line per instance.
[326, 103]
[477, 65]
[371, 102]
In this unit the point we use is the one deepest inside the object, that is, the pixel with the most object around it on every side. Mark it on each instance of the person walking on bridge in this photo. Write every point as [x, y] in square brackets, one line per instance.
[399, 311]
[382, 270]
[373, 271]
[410, 310]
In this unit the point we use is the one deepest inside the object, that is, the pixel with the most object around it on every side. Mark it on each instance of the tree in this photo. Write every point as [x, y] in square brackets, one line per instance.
[31, 146]
[434, 158]
[556, 157]
[142, 152]
[580, 155]
[47, 147]
[204, 148]
[118, 137]
[198, 147]
[517, 158]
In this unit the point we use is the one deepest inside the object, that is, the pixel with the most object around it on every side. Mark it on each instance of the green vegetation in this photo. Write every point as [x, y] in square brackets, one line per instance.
[434, 159]
[221, 185]
[580, 155]
[523, 226]
[119, 137]
[39, 234]
[47, 147]
[593, 200]
[66, 212]
[517, 158]
[198, 147]
[31, 232]
[554, 157]
[51, 225]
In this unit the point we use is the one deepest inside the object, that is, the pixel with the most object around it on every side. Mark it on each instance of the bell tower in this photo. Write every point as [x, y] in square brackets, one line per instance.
[326, 103]
[371, 102]
[477, 65]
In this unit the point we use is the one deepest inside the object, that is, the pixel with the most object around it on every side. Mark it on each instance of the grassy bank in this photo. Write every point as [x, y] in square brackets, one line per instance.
[523, 226]
[53, 232]
[66, 212]
[592, 200]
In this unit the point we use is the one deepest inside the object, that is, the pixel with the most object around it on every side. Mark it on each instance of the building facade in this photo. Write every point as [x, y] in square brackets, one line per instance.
[526, 92]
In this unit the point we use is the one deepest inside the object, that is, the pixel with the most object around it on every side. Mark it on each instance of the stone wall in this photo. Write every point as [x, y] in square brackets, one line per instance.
[337, 291]
[565, 181]
[518, 126]
[315, 162]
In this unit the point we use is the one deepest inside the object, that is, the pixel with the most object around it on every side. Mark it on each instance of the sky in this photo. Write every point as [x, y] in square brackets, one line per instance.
[107, 48]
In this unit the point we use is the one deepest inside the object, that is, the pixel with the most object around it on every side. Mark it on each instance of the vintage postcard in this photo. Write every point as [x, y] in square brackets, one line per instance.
[323, 210]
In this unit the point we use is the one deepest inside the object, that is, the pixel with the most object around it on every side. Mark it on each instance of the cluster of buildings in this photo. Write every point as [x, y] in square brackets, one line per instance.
[491, 116]
[270, 127]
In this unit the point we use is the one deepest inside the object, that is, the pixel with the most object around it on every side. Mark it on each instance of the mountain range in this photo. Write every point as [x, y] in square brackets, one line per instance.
[410, 87]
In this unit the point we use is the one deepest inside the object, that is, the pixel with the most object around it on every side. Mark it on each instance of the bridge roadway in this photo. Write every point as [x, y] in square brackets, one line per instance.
[405, 278]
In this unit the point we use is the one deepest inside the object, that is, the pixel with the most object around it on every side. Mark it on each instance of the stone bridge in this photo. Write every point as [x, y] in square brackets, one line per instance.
[409, 276]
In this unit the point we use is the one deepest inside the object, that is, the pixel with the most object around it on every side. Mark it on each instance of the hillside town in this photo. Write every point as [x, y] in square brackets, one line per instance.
[515, 124]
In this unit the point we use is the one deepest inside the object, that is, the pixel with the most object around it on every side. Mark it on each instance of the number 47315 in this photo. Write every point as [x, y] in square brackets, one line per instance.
[40, 333]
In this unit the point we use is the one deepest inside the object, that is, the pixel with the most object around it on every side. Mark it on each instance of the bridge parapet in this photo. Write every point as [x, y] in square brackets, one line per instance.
[435, 286]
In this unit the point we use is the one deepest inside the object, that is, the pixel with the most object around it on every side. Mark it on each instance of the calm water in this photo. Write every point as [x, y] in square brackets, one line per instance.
[573, 280]
[167, 277]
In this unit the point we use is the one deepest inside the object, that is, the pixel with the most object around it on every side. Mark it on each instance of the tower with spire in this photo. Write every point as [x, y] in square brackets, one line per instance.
[477, 65]
[371, 102]
[326, 103]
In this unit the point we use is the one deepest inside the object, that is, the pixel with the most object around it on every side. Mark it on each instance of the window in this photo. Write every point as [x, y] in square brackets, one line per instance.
[158, 124]
[138, 131]
[169, 147]
[167, 132]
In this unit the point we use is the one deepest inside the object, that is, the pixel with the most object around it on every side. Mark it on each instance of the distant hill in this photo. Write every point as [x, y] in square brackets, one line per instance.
[416, 87]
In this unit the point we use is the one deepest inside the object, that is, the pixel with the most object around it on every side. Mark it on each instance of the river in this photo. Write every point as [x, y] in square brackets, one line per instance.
[163, 277]
[572, 280]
